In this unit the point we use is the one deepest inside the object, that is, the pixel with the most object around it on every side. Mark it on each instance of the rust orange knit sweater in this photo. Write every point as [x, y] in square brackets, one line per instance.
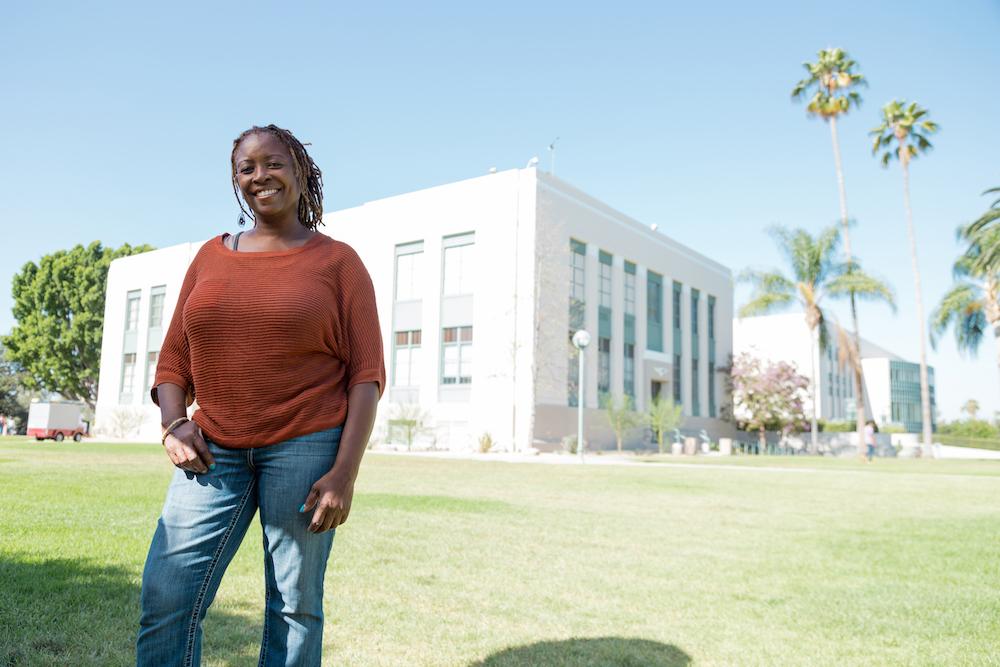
[269, 343]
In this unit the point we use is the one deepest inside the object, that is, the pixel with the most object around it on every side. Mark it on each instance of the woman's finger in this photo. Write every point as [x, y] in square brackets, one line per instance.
[192, 461]
[310, 502]
[203, 452]
[318, 519]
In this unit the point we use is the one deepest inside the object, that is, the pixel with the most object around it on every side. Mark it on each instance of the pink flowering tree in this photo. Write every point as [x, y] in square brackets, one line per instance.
[767, 395]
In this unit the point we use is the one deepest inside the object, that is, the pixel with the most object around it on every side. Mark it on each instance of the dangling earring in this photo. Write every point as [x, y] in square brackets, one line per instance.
[242, 219]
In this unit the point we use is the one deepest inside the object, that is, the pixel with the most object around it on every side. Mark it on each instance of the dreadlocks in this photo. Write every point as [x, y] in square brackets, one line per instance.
[308, 175]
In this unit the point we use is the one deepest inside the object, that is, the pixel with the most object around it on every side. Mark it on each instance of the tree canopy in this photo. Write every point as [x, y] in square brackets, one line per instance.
[59, 308]
[831, 85]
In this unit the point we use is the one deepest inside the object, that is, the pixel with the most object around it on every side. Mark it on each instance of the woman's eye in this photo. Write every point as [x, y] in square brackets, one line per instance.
[246, 170]
[275, 165]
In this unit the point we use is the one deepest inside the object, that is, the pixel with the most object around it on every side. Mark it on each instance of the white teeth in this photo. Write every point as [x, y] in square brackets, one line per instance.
[266, 193]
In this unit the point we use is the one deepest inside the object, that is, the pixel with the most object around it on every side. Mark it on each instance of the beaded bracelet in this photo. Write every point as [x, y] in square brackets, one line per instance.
[170, 429]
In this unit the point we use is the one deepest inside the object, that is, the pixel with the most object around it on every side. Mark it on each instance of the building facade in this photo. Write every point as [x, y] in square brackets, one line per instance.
[892, 384]
[892, 387]
[480, 284]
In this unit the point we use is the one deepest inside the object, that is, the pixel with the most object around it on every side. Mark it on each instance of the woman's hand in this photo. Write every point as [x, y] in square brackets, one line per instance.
[187, 449]
[331, 497]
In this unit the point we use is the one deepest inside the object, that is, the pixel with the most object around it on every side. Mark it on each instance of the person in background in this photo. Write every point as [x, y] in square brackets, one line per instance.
[871, 428]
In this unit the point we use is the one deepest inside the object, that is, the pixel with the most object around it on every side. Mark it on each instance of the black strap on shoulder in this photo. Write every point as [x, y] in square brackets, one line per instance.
[236, 241]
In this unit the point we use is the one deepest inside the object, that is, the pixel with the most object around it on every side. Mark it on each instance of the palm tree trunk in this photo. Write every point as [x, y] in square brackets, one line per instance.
[925, 396]
[859, 392]
[813, 435]
[996, 341]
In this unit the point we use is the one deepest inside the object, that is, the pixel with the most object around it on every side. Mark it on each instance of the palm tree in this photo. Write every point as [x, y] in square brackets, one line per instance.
[987, 250]
[833, 84]
[903, 135]
[973, 303]
[816, 274]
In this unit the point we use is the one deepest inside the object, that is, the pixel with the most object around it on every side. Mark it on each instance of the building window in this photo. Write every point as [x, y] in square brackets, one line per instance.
[629, 369]
[577, 283]
[711, 389]
[695, 297]
[695, 402]
[605, 284]
[157, 296]
[711, 318]
[458, 270]
[409, 271]
[654, 311]
[128, 378]
[405, 358]
[677, 306]
[629, 288]
[603, 367]
[132, 310]
[678, 399]
[456, 344]
[151, 359]
[712, 408]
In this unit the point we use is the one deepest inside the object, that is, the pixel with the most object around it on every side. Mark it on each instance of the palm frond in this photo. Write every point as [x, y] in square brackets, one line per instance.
[863, 286]
[962, 307]
[764, 303]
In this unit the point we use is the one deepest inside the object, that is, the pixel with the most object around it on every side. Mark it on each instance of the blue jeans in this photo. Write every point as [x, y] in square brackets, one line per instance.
[204, 520]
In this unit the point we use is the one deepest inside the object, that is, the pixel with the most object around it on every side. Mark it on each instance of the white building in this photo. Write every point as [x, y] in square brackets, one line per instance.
[480, 284]
[892, 389]
[892, 385]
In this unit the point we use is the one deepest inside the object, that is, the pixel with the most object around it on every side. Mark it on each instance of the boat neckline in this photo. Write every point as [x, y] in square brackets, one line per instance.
[221, 243]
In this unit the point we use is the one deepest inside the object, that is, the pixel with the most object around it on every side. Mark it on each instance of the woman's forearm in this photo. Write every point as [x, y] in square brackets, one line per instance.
[362, 401]
[172, 400]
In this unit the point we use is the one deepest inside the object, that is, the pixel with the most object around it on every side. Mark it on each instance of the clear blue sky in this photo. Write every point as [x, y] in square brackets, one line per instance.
[118, 120]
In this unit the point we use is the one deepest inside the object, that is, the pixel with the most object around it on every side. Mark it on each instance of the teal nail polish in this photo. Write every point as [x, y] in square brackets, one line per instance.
[211, 467]
[303, 508]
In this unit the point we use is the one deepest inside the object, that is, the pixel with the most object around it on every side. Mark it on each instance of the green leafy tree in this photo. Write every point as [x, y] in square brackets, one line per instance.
[59, 308]
[815, 274]
[621, 416]
[902, 135]
[972, 305]
[832, 90]
[663, 416]
[14, 396]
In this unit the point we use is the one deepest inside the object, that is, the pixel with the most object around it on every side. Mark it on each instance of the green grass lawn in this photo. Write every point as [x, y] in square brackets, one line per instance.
[449, 562]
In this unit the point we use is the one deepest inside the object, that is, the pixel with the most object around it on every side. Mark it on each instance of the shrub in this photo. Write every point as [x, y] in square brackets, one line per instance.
[485, 443]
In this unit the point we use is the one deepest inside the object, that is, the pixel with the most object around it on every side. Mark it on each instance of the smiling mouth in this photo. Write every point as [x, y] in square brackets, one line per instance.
[263, 194]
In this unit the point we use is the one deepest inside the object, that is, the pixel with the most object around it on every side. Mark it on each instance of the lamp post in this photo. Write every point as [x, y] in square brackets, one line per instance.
[581, 339]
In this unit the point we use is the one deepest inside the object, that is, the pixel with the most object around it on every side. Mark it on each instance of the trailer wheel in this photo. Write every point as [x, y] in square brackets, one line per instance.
[60, 437]
[77, 437]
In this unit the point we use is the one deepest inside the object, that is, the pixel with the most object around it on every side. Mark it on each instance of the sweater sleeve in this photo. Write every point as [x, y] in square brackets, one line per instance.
[362, 335]
[174, 362]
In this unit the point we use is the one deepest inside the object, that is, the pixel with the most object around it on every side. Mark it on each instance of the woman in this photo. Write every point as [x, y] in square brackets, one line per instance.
[276, 334]
[871, 428]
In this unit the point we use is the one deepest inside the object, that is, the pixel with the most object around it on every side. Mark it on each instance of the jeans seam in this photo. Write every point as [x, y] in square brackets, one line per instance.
[267, 601]
[196, 611]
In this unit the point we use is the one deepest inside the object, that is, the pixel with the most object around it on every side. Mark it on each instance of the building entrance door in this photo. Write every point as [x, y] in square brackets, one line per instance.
[655, 389]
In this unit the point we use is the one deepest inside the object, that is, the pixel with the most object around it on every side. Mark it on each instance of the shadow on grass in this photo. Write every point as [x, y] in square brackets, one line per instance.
[590, 652]
[61, 611]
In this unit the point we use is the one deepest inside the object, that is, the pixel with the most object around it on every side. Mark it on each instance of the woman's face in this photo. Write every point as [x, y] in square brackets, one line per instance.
[266, 176]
